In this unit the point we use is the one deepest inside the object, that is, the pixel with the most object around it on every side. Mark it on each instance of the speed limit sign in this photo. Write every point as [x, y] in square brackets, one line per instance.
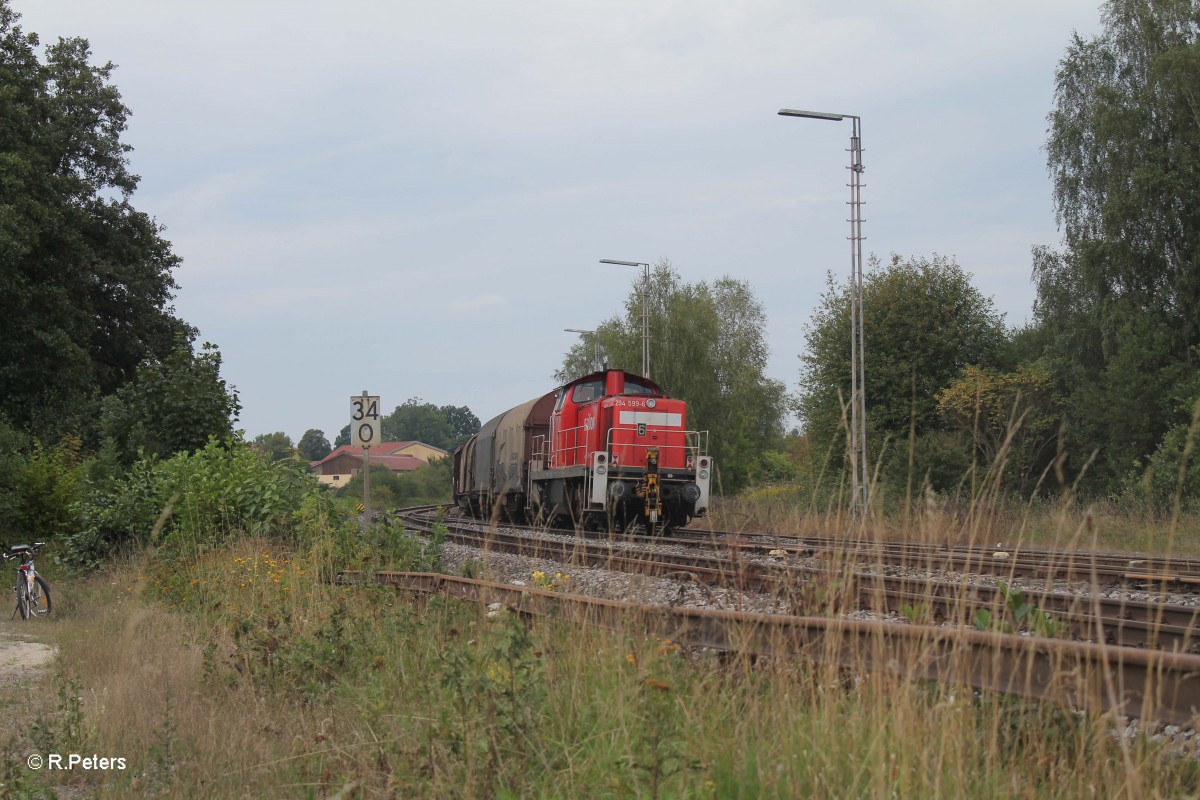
[364, 420]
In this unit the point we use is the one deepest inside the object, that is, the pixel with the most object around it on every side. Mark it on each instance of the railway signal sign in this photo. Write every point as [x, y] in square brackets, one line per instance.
[365, 432]
[364, 420]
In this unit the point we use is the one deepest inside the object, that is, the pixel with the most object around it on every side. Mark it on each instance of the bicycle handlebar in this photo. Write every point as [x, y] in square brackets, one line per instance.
[19, 550]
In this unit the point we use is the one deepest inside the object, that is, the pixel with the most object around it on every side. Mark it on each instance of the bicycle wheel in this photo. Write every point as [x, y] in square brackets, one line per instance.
[22, 597]
[39, 597]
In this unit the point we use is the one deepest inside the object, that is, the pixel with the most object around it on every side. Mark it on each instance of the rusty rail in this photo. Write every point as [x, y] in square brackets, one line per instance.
[1146, 684]
[1112, 620]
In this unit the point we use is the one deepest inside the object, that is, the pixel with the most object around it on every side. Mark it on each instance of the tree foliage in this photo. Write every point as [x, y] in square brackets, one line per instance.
[1170, 480]
[85, 278]
[193, 500]
[924, 323]
[427, 484]
[275, 446]
[708, 347]
[38, 487]
[441, 426]
[1119, 309]
[313, 445]
[1010, 418]
[171, 406]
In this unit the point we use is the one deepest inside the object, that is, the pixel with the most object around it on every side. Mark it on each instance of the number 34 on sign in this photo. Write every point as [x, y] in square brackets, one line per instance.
[364, 420]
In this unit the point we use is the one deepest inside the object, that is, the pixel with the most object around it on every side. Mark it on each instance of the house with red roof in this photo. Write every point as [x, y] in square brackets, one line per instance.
[337, 468]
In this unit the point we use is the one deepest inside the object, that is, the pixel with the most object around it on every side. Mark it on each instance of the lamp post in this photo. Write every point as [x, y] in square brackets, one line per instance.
[645, 309]
[858, 378]
[596, 366]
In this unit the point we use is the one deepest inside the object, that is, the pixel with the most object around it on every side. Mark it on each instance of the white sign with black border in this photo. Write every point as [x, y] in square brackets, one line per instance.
[364, 420]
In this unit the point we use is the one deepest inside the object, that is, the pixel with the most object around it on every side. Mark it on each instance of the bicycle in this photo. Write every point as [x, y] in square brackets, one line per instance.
[33, 593]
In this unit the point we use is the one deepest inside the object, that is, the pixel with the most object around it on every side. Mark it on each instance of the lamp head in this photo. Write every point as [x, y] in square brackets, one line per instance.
[795, 112]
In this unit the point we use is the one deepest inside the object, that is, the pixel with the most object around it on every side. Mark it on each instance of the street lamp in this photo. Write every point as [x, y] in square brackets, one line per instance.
[645, 309]
[858, 378]
[596, 365]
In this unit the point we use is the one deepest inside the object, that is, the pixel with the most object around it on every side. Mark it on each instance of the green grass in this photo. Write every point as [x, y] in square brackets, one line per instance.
[242, 673]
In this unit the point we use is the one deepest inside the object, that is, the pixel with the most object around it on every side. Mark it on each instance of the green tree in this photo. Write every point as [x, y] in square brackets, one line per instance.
[1119, 309]
[923, 324]
[463, 424]
[171, 406]
[441, 426]
[1010, 418]
[275, 446]
[708, 347]
[313, 445]
[85, 279]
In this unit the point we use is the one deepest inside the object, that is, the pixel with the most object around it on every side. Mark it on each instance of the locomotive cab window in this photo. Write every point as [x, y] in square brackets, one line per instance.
[558, 404]
[637, 388]
[587, 392]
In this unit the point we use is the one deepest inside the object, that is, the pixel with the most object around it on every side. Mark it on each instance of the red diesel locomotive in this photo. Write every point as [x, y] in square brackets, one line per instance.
[607, 450]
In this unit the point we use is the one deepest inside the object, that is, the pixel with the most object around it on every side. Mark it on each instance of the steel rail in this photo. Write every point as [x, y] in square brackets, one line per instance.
[1145, 684]
[1116, 621]
[1171, 568]
[1097, 568]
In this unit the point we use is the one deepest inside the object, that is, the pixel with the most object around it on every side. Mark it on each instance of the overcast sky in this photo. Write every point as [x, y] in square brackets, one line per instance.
[411, 198]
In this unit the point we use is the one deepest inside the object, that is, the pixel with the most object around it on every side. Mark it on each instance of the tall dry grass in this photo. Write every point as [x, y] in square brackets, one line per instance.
[983, 509]
[244, 673]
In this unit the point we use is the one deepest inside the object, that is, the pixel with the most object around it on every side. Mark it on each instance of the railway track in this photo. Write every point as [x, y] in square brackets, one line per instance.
[840, 587]
[1135, 662]
[1148, 571]
[1022, 562]
[1145, 684]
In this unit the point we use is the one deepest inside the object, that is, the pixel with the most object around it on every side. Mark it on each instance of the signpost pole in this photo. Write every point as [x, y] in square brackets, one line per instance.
[364, 431]
[366, 487]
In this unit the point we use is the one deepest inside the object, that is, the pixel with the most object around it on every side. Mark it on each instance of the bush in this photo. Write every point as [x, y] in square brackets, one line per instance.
[940, 460]
[1158, 484]
[38, 487]
[193, 501]
[425, 485]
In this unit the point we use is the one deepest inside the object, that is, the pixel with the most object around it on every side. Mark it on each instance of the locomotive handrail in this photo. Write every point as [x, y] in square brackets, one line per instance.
[540, 450]
[561, 445]
[695, 443]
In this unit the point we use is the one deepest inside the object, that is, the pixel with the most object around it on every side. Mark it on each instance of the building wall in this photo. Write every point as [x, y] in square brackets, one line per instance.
[338, 471]
[335, 481]
[422, 451]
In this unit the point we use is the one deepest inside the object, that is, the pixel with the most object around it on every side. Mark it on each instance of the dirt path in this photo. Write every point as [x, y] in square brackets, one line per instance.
[21, 656]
